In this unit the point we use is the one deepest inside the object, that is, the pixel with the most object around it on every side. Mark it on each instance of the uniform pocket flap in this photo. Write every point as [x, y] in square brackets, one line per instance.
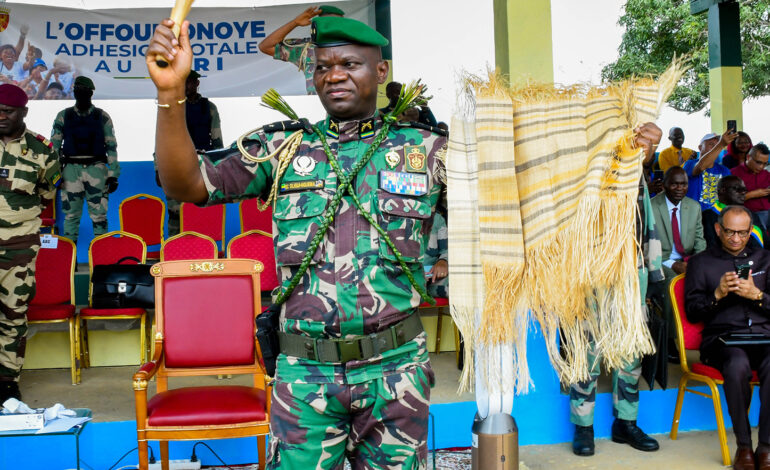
[300, 205]
[403, 206]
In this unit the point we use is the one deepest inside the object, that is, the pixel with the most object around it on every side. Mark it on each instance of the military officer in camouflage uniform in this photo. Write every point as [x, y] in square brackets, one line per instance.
[29, 175]
[625, 381]
[204, 126]
[88, 152]
[353, 378]
[300, 52]
[436, 258]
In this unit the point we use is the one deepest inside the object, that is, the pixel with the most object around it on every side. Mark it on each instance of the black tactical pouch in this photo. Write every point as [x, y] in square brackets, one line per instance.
[267, 336]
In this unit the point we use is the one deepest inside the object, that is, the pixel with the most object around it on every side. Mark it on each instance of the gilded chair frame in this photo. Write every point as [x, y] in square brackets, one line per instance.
[157, 367]
[73, 321]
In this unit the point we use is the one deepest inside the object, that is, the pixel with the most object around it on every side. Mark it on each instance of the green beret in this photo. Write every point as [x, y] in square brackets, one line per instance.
[331, 31]
[193, 75]
[330, 10]
[85, 82]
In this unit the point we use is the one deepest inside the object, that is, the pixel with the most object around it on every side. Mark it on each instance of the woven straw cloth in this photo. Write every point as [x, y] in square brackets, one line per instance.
[542, 195]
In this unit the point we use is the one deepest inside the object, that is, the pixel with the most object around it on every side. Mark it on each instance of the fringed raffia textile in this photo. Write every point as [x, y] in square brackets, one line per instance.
[550, 175]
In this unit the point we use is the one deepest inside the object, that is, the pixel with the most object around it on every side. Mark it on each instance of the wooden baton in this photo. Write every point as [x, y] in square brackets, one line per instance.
[178, 14]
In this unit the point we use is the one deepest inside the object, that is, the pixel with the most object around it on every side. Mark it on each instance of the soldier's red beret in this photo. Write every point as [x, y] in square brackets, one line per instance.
[11, 95]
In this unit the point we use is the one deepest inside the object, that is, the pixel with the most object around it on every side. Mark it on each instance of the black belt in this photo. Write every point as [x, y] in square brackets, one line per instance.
[82, 161]
[354, 349]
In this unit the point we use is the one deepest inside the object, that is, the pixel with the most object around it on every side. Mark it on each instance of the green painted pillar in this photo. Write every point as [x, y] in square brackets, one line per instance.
[382, 23]
[725, 65]
[523, 40]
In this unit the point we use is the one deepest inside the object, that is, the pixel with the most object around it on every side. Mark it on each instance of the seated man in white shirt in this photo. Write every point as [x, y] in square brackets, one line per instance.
[680, 229]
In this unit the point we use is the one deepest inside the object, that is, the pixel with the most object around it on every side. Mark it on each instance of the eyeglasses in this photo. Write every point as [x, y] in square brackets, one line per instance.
[730, 233]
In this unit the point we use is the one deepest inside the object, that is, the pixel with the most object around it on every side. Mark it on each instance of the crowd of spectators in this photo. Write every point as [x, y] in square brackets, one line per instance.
[717, 236]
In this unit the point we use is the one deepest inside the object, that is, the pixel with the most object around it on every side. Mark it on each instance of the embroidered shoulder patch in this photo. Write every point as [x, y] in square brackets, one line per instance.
[410, 184]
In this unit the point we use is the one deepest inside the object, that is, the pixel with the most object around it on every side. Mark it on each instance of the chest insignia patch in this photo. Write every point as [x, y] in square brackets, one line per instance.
[410, 184]
[4, 173]
[393, 159]
[303, 165]
[415, 158]
[304, 185]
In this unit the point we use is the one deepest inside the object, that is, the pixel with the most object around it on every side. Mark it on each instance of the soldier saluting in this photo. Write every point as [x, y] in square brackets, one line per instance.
[29, 175]
[352, 211]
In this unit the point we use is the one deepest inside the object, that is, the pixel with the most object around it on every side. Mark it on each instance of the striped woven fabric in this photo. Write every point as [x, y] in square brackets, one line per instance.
[556, 208]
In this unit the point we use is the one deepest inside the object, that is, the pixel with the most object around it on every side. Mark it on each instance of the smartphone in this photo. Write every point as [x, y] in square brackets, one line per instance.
[732, 125]
[743, 270]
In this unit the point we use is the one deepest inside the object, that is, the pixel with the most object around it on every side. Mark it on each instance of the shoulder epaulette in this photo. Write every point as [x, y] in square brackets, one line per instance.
[427, 127]
[45, 141]
[302, 124]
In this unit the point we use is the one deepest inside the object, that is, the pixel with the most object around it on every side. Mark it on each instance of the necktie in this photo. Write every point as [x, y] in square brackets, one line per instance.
[675, 230]
[679, 155]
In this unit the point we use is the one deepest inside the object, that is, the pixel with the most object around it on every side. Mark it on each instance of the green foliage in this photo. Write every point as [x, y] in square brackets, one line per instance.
[656, 30]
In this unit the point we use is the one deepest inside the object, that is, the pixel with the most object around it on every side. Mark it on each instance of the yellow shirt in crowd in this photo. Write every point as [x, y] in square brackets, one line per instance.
[670, 157]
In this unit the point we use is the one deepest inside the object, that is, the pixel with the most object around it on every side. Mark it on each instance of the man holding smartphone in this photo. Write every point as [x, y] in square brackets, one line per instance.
[757, 181]
[728, 304]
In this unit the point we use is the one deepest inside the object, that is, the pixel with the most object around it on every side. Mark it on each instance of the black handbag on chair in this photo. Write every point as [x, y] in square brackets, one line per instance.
[122, 285]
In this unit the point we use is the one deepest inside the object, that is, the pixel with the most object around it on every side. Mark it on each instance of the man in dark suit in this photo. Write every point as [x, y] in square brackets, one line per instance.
[726, 289]
[678, 221]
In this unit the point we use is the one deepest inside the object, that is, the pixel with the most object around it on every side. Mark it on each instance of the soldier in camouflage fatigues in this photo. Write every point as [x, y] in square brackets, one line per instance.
[371, 408]
[29, 175]
[300, 52]
[85, 139]
[436, 258]
[625, 381]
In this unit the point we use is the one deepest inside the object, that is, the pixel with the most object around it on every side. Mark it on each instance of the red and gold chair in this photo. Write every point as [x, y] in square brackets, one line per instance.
[254, 219]
[257, 245]
[188, 246]
[209, 221]
[54, 300]
[201, 332]
[109, 249]
[143, 215]
[688, 338]
[442, 308]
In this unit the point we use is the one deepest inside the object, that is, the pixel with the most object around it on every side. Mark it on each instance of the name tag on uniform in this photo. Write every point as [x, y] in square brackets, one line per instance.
[48, 241]
[4, 173]
[304, 185]
[410, 184]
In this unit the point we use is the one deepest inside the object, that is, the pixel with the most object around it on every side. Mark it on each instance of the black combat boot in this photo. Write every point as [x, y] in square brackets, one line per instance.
[583, 442]
[9, 390]
[627, 432]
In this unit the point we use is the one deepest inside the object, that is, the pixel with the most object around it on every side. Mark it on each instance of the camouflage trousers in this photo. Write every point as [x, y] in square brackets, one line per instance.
[378, 424]
[172, 207]
[625, 392]
[81, 182]
[17, 287]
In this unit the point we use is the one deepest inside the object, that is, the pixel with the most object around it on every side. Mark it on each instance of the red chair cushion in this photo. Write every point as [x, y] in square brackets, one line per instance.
[50, 312]
[708, 371]
[195, 406]
[225, 304]
[46, 222]
[111, 312]
[440, 302]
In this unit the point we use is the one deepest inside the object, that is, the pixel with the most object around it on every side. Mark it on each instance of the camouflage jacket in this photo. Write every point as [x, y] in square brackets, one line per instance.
[111, 144]
[354, 285]
[29, 173]
[300, 52]
[438, 242]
